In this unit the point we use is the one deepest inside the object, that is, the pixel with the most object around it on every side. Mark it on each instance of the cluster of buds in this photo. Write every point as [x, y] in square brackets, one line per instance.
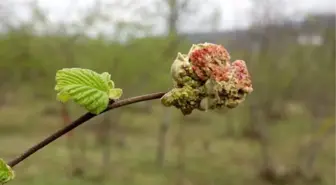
[205, 79]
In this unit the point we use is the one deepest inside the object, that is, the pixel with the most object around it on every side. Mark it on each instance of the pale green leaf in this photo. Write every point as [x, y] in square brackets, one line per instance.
[107, 77]
[115, 93]
[6, 172]
[63, 97]
[85, 87]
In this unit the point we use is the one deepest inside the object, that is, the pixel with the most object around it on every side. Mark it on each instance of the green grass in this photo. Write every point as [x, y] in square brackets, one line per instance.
[229, 161]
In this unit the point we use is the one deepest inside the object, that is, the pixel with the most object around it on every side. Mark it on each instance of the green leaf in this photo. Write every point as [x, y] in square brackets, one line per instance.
[107, 77]
[115, 93]
[6, 172]
[86, 87]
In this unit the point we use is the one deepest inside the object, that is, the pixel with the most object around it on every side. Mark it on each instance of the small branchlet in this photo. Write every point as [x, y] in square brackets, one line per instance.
[205, 79]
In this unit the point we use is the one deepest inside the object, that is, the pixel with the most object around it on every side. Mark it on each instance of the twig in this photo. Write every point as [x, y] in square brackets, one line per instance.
[80, 121]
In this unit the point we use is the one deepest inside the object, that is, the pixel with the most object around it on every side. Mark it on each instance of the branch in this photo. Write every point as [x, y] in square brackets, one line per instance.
[84, 118]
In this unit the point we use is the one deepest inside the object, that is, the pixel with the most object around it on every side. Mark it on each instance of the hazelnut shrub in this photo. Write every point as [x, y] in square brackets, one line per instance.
[204, 79]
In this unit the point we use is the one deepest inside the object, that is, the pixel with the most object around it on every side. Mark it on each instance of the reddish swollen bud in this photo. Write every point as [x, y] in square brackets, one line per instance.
[209, 60]
[206, 79]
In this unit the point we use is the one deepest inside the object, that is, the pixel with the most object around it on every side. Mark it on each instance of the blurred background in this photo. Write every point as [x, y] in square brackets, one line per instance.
[284, 133]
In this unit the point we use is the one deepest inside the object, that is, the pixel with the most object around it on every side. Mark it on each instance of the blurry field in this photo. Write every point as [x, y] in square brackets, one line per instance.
[229, 160]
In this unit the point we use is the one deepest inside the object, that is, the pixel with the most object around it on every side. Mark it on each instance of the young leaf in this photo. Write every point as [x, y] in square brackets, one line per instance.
[6, 172]
[86, 87]
[115, 93]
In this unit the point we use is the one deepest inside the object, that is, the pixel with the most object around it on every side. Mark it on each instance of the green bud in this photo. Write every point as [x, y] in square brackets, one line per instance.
[6, 172]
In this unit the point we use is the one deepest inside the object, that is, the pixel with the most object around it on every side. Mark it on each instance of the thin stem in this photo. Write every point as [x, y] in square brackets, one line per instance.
[84, 118]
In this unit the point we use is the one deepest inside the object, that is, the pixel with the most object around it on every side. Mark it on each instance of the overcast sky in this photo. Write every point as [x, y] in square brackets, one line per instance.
[234, 13]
